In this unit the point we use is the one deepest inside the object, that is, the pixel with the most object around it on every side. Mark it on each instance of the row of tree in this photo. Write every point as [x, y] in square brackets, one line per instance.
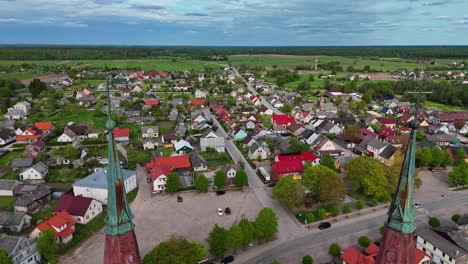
[434, 157]
[459, 174]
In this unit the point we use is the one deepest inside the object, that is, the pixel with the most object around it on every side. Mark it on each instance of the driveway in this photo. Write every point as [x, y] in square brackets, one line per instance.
[158, 218]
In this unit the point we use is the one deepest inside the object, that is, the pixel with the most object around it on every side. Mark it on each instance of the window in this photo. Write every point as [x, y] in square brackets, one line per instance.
[434, 248]
[424, 242]
[443, 255]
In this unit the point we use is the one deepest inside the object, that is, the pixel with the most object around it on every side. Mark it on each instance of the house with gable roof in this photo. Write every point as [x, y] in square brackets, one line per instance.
[35, 173]
[20, 249]
[82, 209]
[62, 224]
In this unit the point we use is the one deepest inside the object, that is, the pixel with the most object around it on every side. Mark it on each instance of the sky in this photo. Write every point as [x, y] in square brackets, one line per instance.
[234, 22]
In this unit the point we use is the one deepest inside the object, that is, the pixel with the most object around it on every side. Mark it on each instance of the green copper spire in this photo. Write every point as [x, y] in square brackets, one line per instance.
[401, 213]
[119, 216]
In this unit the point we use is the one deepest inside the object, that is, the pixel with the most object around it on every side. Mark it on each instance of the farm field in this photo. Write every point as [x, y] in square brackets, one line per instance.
[18, 76]
[166, 64]
[379, 64]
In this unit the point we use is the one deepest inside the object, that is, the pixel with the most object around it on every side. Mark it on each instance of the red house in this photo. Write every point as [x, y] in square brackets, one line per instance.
[287, 168]
[305, 156]
[353, 256]
[386, 132]
[62, 224]
[197, 102]
[31, 134]
[390, 123]
[45, 127]
[282, 120]
[121, 134]
[173, 162]
[151, 102]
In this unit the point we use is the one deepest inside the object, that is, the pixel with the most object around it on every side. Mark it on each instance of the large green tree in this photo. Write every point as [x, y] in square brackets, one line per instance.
[366, 175]
[289, 192]
[352, 133]
[131, 158]
[248, 230]
[236, 237]
[220, 179]
[437, 156]
[328, 161]
[266, 224]
[36, 87]
[459, 174]
[332, 188]
[424, 157]
[4, 258]
[461, 155]
[335, 250]
[176, 250]
[47, 246]
[241, 179]
[201, 183]
[312, 176]
[172, 183]
[218, 240]
[446, 159]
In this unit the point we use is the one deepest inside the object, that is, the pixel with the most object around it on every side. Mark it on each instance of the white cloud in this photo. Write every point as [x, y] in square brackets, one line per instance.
[75, 25]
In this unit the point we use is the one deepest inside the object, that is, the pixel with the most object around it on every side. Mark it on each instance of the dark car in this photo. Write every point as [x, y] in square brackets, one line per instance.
[218, 193]
[272, 184]
[324, 225]
[227, 211]
[179, 199]
[227, 259]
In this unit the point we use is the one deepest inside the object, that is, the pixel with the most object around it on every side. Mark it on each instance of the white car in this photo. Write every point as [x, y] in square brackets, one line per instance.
[220, 211]
[417, 205]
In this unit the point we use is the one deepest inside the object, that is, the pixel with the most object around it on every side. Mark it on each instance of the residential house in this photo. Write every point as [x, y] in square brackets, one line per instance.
[353, 256]
[7, 187]
[148, 143]
[15, 114]
[173, 114]
[323, 145]
[149, 131]
[180, 130]
[304, 157]
[296, 129]
[8, 124]
[230, 171]
[23, 106]
[284, 168]
[308, 136]
[14, 222]
[434, 129]
[67, 136]
[121, 134]
[388, 123]
[459, 126]
[282, 120]
[37, 172]
[200, 94]
[74, 133]
[329, 127]
[240, 135]
[442, 139]
[169, 139]
[31, 198]
[443, 247]
[387, 111]
[6, 137]
[209, 134]
[95, 185]
[32, 150]
[198, 162]
[62, 224]
[216, 143]
[29, 135]
[195, 103]
[159, 177]
[151, 102]
[21, 164]
[21, 250]
[82, 209]
[257, 152]
[183, 147]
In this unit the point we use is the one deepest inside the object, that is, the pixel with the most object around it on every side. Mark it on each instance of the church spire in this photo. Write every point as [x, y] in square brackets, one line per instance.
[398, 245]
[121, 245]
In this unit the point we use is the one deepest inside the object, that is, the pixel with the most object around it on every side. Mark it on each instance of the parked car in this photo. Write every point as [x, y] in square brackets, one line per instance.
[272, 184]
[324, 225]
[417, 205]
[220, 211]
[179, 199]
[227, 211]
[432, 169]
[218, 193]
[227, 259]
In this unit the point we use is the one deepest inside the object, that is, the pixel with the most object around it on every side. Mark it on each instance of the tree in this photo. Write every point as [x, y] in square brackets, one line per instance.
[236, 237]
[347, 208]
[47, 246]
[312, 177]
[131, 158]
[446, 159]
[434, 222]
[334, 210]
[424, 157]
[172, 182]
[392, 173]
[309, 217]
[220, 179]
[461, 154]
[437, 156]
[459, 174]
[176, 250]
[241, 179]
[311, 78]
[359, 204]
[4, 258]
[307, 260]
[297, 146]
[332, 188]
[339, 100]
[322, 213]
[36, 87]
[142, 157]
[420, 135]
[70, 152]
[335, 250]
[289, 192]
[201, 183]
[266, 224]
[364, 241]
[218, 240]
[328, 161]
[248, 230]
[367, 176]
[286, 108]
[456, 217]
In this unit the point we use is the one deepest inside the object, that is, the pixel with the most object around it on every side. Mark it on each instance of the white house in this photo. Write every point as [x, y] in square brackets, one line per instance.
[6, 137]
[37, 172]
[95, 185]
[25, 106]
[67, 136]
[149, 131]
[21, 250]
[257, 152]
[217, 143]
[7, 187]
[15, 114]
[200, 94]
[159, 183]
[148, 144]
[82, 209]
[440, 249]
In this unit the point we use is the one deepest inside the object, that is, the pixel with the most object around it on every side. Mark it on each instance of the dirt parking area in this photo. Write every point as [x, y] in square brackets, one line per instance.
[435, 186]
[159, 217]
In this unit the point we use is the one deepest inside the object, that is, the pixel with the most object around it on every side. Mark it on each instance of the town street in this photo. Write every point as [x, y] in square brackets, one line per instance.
[254, 92]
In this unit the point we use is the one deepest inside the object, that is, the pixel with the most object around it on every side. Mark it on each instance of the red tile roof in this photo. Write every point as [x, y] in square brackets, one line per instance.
[386, 132]
[174, 162]
[387, 121]
[303, 156]
[158, 170]
[26, 137]
[197, 102]
[151, 102]
[282, 119]
[372, 250]
[74, 205]
[56, 221]
[43, 125]
[449, 117]
[367, 132]
[287, 166]
[354, 256]
[121, 132]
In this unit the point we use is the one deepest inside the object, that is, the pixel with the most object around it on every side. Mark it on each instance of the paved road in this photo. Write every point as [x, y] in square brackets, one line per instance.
[288, 225]
[254, 92]
[316, 242]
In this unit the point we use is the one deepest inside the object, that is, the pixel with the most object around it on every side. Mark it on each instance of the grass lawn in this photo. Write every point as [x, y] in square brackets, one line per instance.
[4, 160]
[10, 175]
[65, 175]
[316, 84]
[6, 203]
[165, 64]
[443, 107]
[98, 119]
[266, 121]
[19, 76]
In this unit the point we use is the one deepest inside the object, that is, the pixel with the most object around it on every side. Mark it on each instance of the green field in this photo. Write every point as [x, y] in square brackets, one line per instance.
[18, 76]
[382, 64]
[79, 116]
[443, 107]
[165, 64]
[4, 160]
